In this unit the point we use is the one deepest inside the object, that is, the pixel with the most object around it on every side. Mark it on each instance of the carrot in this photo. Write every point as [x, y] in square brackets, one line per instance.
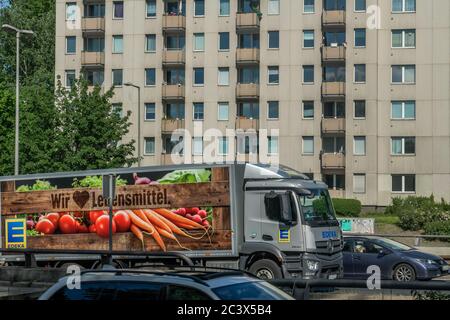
[141, 215]
[175, 218]
[138, 233]
[175, 229]
[140, 223]
[159, 240]
[155, 220]
[170, 235]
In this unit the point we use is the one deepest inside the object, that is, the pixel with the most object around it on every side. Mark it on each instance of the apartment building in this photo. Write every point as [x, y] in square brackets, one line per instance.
[359, 90]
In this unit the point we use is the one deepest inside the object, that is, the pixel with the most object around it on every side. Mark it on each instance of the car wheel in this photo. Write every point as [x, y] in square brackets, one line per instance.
[266, 269]
[404, 273]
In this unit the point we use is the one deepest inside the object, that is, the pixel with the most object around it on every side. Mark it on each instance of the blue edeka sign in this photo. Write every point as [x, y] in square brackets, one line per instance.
[284, 236]
[16, 234]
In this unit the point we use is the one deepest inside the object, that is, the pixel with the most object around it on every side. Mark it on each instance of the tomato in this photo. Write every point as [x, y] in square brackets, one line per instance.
[203, 214]
[67, 224]
[63, 214]
[54, 218]
[93, 215]
[45, 226]
[92, 228]
[123, 221]
[82, 228]
[78, 214]
[102, 226]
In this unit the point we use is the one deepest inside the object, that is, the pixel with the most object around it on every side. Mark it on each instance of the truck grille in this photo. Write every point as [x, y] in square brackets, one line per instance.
[326, 248]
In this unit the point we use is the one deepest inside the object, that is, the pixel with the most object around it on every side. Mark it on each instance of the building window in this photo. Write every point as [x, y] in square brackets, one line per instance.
[274, 40]
[308, 74]
[272, 145]
[70, 78]
[335, 181]
[199, 42]
[151, 8]
[150, 112]
[224, 9]
[334, 109]
[71, 45]
[360, 5]
[94, 77]
[71, 11]
[403, 146]
[222, 111]
[360, 73]
[197, 146]
[404, 74]
[359, 144]
[224, 76]
[199, 76]
[308, 109]
[223, 146]
[333, 144]
[273, 74]
[199, 8]
[118, 9]
[117, 46]
[404, 183]
[174, 111]
[248, 110]
[198, 111]
[149, 146]
[403, 110]
[150, 43]
[117, 109]
[403, 5]
[359, 183]
[308, 145]
[404, 38]
[150, 77]
[308, 6]
[360, 109]
[94, 44]
[360, 38]
[117, 77]
[272, 110]
[224, 41]
[274, 7]
[308, 38]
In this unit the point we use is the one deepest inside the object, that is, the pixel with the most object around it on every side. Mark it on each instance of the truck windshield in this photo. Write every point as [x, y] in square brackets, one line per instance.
[317, 207]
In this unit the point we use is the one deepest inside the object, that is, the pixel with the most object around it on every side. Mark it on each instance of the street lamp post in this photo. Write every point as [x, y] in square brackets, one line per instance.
[18, 32]
[129, 84]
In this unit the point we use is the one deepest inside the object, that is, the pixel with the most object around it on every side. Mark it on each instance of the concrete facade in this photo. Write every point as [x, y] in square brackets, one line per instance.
[429, 164]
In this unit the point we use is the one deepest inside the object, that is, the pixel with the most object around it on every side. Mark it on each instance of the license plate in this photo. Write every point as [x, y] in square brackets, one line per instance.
[445, 268]
[332, 276]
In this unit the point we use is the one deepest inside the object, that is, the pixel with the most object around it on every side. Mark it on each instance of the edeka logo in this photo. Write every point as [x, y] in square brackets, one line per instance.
[16, 234]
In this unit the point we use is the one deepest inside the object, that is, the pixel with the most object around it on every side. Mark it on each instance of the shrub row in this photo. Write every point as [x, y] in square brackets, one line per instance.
[347, 207]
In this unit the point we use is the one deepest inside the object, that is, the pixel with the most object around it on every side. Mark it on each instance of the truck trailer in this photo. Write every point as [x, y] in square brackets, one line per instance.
[269, 220]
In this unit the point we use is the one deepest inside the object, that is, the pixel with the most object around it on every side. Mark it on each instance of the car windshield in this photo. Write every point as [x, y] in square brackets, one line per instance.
[317, 206]
[393, 245]
[257, 290]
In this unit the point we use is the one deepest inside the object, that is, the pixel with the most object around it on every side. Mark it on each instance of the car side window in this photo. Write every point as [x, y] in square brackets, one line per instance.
[180, 293]
[372, 247]
[359, 247]
[348, 246]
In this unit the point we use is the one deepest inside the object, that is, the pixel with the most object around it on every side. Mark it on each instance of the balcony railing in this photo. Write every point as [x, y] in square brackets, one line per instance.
[94, 59]
[333, 53]
[247, 91]
[174, 57]
[333, 17]
[247, 56]
[244, 123]
[247, 21]
[93, 25]
[170, 125]
[333, 89]
[333, 161]
[336, 193]
[333, 125]
[172, 158]
[174, 23]
[173, 91]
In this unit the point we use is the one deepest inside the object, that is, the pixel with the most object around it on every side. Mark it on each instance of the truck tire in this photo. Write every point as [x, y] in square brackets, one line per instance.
[266, 269]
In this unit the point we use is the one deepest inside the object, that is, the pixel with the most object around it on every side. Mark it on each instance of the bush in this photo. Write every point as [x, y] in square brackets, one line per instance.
[439, 228]
[347, 207]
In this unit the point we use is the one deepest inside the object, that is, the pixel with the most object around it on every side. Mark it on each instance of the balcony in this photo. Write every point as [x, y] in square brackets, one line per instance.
[333, 18]
[247, 22]
[333, 125]
[247, 56]
[174, 92]
[333, 161]
[335, 53]
[244, 123]
[333, 89]
[174, 23]
[247, 91]
[174, 57]
[172, 159]
[93, 25]
[92, 59]
[336, 193]
[171, 125]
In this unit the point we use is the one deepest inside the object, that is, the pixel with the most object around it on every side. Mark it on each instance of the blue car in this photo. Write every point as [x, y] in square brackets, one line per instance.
[396, 260]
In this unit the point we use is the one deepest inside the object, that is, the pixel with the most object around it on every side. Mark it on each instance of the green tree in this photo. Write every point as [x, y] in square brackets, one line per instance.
[90, 132]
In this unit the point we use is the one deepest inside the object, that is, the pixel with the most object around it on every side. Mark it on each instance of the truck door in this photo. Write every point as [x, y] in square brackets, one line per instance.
[280, 224]
[252, 216]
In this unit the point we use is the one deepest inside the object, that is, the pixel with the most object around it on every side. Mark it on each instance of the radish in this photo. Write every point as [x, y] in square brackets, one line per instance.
[203, 214]
[197, 219]
[141, 180]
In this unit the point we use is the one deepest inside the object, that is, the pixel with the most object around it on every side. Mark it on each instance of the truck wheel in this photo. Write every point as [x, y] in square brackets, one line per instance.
[266, 269]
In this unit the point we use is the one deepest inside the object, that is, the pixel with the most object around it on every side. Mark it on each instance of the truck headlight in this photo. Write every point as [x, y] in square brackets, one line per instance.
[312, 265]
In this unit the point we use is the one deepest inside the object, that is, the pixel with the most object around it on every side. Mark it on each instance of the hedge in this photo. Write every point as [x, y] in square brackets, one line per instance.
[438, 228]
[347, 207]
